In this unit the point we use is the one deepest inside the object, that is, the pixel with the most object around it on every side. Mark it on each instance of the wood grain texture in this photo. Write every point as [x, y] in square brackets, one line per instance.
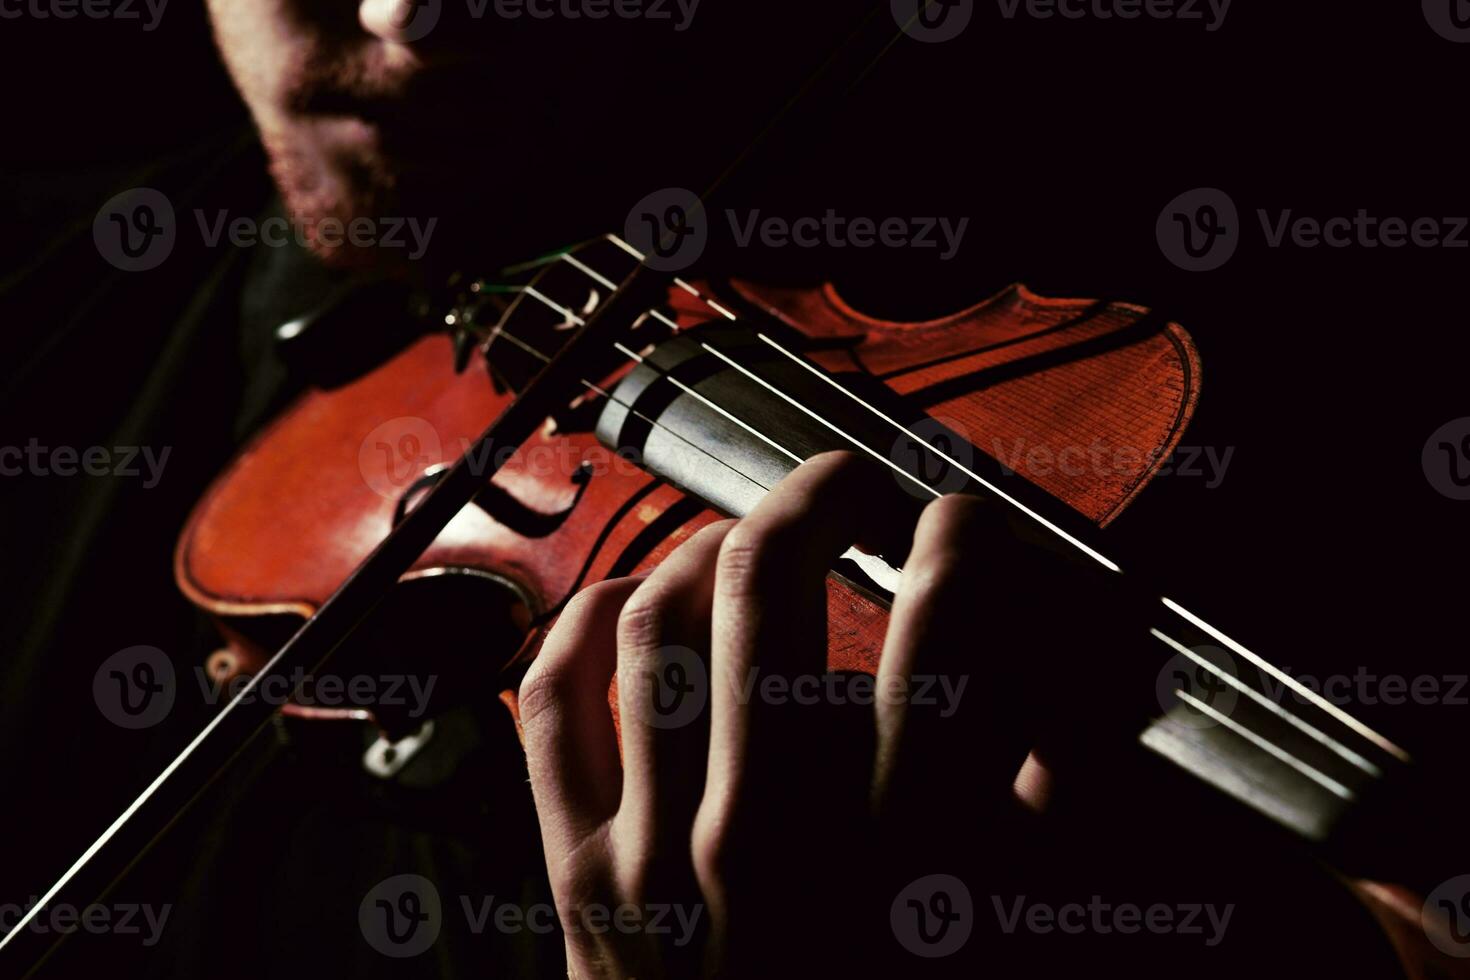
[311, 495]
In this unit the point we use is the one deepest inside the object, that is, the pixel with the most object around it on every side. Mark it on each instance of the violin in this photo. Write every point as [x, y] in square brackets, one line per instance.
[700, 403]
[691, 417]
[631, 409]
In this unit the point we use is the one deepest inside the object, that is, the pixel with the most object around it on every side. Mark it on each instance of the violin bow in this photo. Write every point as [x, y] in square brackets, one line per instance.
[215, 748]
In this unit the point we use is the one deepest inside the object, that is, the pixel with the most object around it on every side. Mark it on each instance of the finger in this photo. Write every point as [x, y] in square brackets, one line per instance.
[571, 746]
[663, 695]
[947, 686]
[773, 799]
[770, 608]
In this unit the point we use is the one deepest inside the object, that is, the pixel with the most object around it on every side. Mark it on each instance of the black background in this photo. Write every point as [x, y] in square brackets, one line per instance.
[1325, 370]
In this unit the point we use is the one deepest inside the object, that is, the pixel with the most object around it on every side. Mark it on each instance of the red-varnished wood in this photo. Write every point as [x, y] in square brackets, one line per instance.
[311, 495]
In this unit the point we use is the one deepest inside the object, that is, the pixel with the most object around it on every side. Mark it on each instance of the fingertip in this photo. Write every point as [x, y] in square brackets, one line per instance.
[957, 509]
[577, 654]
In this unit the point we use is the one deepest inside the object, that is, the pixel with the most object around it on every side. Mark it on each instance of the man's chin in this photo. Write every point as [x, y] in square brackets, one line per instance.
[343, 198]
[457, 204]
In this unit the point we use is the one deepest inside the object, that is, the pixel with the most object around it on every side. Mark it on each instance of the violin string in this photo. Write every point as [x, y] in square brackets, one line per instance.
[989, 486]
[637, 358]
[1308, 729]
[1292, 683]
[1297, 688]
[876, 568]
[1266, 745]
[610, 396]
[1262, 664]
[702, 399]
[1244, 731]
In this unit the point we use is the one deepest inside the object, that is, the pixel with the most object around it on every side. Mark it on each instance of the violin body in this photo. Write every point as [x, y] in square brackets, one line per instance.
[304, 503]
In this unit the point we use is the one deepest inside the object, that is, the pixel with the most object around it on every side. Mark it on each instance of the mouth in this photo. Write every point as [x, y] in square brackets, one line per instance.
[423, 98]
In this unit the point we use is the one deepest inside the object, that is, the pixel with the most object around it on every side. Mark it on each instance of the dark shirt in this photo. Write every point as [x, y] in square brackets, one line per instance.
[178, 365]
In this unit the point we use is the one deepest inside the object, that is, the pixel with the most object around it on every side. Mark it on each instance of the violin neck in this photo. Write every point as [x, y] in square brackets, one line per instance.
[1217, 710]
